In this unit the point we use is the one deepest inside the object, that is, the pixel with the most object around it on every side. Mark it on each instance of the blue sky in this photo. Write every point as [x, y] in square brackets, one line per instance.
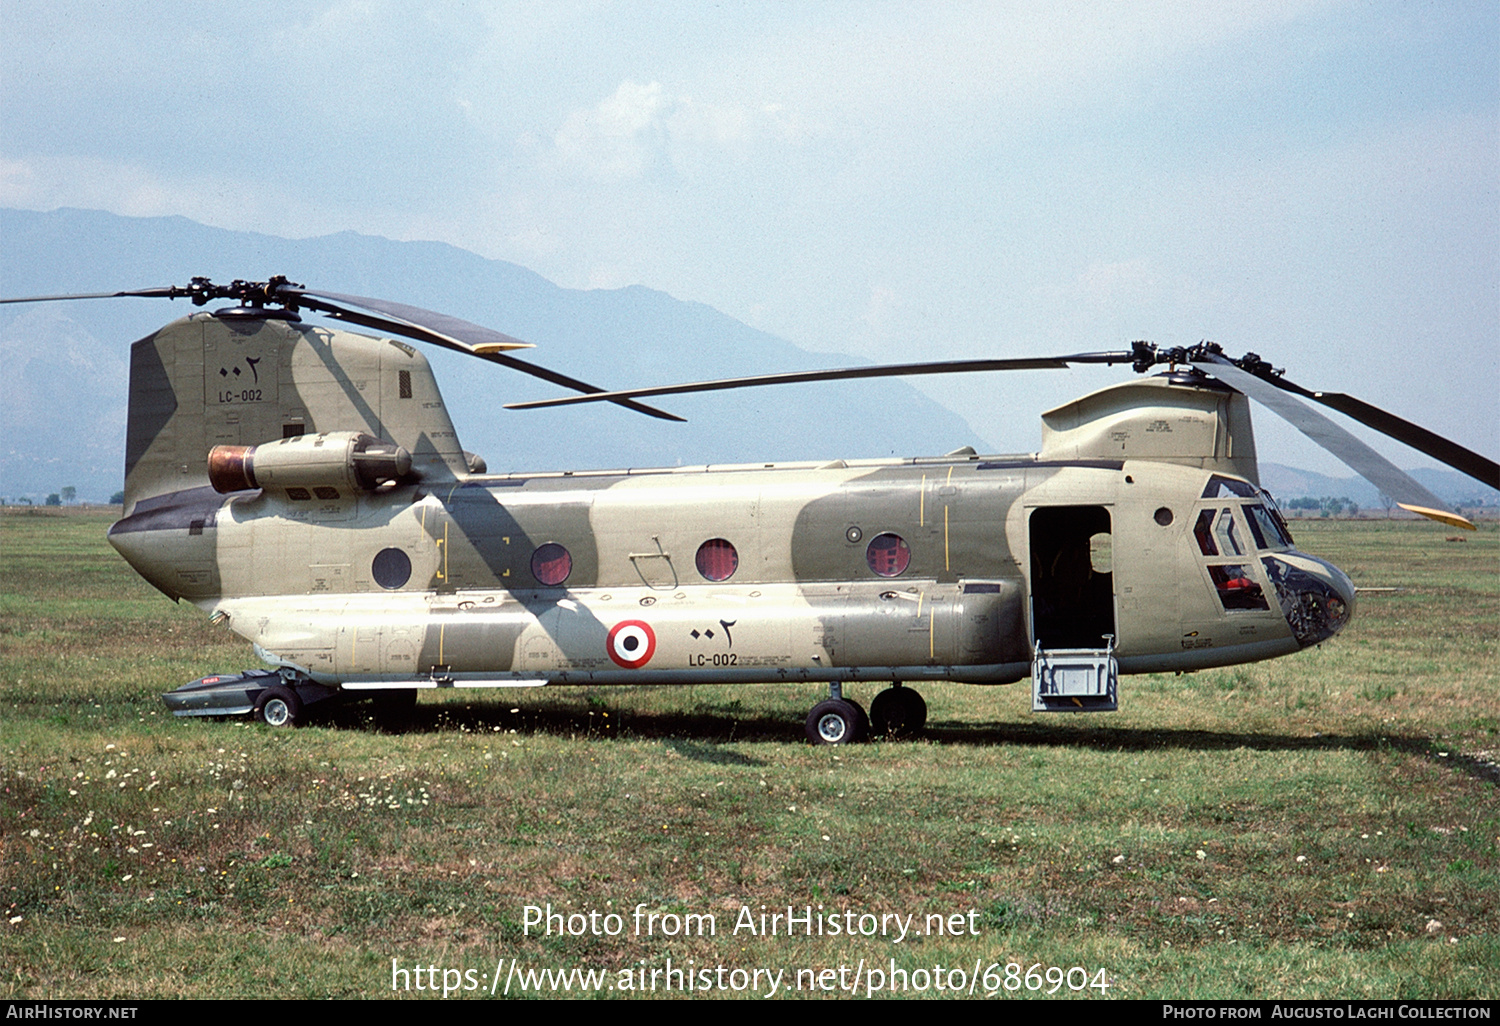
[1317, 182]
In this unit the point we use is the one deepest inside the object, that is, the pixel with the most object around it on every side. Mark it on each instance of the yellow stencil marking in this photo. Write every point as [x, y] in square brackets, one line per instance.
[947, 560]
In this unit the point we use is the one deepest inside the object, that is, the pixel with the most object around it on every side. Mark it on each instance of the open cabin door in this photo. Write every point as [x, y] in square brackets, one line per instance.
[1072, 610]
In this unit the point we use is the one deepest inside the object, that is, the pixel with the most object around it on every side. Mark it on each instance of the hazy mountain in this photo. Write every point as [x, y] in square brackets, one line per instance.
[1449, 485]
[63, 389]
[64, 381]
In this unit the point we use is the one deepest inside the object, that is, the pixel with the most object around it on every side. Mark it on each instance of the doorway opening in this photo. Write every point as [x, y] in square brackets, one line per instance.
[1072, 577]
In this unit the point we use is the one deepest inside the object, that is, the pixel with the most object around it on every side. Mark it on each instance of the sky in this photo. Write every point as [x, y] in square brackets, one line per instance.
[1317, 182]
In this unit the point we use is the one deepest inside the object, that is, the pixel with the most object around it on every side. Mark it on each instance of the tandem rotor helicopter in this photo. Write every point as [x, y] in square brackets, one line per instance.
[304, 486]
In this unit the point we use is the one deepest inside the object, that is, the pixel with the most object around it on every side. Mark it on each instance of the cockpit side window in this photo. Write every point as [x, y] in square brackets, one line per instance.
[1227, 531]
[1221, 535]
[1203, 531]
[1236, 588]
[1266, 528]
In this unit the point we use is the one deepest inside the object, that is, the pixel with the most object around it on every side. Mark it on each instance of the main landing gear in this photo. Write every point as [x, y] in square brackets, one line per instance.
[897, 711]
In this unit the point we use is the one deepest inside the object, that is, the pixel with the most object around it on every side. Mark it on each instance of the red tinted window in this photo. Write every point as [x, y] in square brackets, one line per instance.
[1237, 590]
[551, 564]
[1203, 531]
[717, 560]
[888, 555]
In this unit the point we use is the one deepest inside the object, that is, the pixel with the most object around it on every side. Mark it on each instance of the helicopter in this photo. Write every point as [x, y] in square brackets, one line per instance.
[304, 486]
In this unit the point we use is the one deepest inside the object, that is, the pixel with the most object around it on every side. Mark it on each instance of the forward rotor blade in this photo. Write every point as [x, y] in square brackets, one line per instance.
[451, 333]
[162, 292]
[1480, 468]
[1358, 456]
[841, 374]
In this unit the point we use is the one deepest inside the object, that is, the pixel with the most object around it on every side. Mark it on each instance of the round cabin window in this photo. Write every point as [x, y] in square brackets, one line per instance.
[888, 555]
[717, 560]
[391, 568]
[551, 564]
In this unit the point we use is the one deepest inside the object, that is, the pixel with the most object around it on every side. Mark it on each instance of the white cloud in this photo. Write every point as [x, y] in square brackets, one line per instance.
[642, 129]
[620, 138]
[45, 183]
[127, 188]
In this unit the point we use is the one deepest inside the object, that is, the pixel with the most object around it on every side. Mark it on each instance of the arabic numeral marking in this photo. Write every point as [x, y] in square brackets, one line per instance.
[1012, 976]
[1083, 977]
[1032, 974]
[1101, 983]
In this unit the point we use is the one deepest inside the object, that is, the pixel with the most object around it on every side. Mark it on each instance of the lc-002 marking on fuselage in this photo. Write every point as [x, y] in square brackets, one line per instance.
[334, 521]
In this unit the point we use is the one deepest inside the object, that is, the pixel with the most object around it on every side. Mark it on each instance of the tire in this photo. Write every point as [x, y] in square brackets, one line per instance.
[864, 720]
[836, 721]
[278, 707]
[898, 712]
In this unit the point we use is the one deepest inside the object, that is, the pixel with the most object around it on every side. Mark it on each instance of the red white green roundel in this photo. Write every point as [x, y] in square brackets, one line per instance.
[631, 643]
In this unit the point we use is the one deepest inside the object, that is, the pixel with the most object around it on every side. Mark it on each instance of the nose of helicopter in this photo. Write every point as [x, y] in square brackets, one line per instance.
[1317, 598]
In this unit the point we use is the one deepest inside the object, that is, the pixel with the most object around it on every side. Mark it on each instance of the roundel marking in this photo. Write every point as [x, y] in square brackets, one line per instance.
[631, 643]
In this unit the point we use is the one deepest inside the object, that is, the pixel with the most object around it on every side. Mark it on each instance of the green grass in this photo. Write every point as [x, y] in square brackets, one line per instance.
[1325, 825]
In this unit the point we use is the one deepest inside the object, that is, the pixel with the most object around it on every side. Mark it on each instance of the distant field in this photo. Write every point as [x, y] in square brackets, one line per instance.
[1321, 826]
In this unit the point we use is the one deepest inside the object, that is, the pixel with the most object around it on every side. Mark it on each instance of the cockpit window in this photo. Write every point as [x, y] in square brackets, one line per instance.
[1203, 531]
[1266, 529]
[1237, 589]
[1220, 487]
[1275, 510]
[1228, 534]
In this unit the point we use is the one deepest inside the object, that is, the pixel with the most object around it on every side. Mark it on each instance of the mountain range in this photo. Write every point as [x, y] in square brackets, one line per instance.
[64, 366]
[64, 384]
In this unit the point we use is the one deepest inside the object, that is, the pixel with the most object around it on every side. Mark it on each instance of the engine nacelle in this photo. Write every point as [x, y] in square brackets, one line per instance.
[326, 466]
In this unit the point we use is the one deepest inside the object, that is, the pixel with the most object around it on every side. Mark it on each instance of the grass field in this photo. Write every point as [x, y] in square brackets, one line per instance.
[1321, 826]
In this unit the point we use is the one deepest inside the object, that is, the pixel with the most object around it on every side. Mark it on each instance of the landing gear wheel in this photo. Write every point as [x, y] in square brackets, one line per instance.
[898, 712]
[278, 707]
[864, 720]
[836, 721]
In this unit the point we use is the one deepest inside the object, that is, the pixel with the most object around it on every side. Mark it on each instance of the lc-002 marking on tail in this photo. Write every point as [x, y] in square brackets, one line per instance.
[326, 512]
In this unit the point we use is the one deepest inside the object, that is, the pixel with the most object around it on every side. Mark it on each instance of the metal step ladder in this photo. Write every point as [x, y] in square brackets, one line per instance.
[1075, 679]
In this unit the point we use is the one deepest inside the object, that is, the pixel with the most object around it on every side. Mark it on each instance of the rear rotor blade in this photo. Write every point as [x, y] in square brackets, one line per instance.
[411, 322]
[1358, 456]
[474, 337]
[451, 333]
[840, 374]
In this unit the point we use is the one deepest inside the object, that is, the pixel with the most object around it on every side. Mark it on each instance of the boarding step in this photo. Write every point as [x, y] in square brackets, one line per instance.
[1075, 679]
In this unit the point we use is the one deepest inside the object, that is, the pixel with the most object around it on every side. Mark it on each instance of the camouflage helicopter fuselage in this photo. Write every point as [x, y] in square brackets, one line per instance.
[307, 485]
